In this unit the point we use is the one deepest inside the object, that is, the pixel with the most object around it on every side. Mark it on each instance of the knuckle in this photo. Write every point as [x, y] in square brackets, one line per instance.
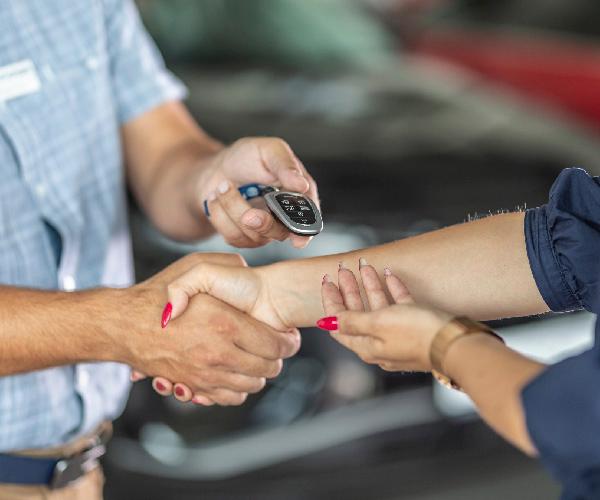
[276, 142]
[214, 358]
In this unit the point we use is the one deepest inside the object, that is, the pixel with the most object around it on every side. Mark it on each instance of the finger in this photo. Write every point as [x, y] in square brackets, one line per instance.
[278, 158]
[397, 288]
[357, 323]
[136, 376]
[200, 279]
[236, 382]
[349, 289]
[263, 224]
[361, 345]
[225, 397]
[203, 400]
[268, 344]
[245, 363]
[182, 392]
[313, 192]
[333, 302]
[300, 241]
[232, 233]
[191, 260]
[372, 284]
[162, 386]
[235, 206]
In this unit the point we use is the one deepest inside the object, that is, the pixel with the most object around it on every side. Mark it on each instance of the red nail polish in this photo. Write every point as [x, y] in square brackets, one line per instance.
[166, 315]
[179, 391]
[159, 386]
[329, 323]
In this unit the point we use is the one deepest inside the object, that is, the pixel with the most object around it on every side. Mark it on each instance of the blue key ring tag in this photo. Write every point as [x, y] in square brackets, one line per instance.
[248, 192]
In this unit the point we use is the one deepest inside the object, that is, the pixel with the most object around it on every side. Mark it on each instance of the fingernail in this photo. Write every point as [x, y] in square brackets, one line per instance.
[212, 196]
[160, 387]
[387, 272]
[179, 391]
[327, 279]
[330, 323]
[166, 315]
[223, 187]
[341, 265]
[362, 262]
[255, 221]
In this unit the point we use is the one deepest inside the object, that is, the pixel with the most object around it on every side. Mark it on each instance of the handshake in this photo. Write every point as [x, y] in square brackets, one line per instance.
[229, 340]
[226, 327]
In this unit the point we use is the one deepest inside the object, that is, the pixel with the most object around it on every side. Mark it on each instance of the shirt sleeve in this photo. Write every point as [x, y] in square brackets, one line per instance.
[139, 77]
[563, 242]
[562, 411]
[562, 406]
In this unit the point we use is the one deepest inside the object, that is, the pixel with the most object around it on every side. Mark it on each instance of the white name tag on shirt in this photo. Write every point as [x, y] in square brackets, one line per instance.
[18, 79]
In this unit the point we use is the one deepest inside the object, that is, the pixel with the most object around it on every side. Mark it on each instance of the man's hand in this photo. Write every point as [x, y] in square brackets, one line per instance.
[220, 353]
[263, 160]
[245, 289]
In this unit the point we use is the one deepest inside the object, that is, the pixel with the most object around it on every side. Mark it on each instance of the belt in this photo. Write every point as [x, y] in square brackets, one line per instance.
[53, 472]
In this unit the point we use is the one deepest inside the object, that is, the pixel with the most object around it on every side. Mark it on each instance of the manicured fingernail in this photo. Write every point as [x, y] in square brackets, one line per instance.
[223, 187]
[255, 221]
[166, 315]
[159, 387]
[341, 265]
[179, 391]
[327, 279]
[212, 196]
[330, 323]
[362, 262]
[387, 272]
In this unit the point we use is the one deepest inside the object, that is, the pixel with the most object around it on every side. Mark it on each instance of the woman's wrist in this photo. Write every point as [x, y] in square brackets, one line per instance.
[293, 287]
[456, 363]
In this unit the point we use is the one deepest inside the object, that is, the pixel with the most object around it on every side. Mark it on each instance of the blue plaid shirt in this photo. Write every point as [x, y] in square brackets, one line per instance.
[62, 197]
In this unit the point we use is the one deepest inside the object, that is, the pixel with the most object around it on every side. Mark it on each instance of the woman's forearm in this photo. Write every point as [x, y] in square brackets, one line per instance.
[493, 376]
[479, 269]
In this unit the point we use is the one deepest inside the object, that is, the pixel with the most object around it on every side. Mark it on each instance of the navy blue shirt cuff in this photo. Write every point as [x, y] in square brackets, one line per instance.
[545, 267]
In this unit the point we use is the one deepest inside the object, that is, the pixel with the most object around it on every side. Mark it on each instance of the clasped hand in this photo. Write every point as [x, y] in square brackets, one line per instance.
[215, 349]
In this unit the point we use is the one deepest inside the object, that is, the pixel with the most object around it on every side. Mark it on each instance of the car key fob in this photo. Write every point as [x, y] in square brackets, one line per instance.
[298, 213]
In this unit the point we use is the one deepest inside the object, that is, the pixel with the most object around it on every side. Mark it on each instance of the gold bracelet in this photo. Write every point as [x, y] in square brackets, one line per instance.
[448, 334]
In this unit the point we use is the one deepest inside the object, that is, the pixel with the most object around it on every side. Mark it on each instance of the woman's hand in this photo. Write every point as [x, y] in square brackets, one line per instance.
[396, 337]
[225, 279]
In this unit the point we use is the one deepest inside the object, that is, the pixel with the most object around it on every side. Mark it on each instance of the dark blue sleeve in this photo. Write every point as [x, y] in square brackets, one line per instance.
[562, 408]
[563, 243]
[562, 405]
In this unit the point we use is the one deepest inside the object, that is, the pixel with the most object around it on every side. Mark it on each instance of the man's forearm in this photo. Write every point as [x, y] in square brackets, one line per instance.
[42, 329]
[479, 269]
[166, 155]
[174, 202]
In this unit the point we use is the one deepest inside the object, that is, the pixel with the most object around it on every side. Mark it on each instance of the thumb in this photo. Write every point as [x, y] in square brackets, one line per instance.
[356, 322]
[279, 159]
[225, 283]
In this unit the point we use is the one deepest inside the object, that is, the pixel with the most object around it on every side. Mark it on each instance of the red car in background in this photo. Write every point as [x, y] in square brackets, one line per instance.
[547, 50]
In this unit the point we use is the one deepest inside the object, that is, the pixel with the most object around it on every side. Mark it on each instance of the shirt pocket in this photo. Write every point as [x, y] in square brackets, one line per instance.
[26, 258]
